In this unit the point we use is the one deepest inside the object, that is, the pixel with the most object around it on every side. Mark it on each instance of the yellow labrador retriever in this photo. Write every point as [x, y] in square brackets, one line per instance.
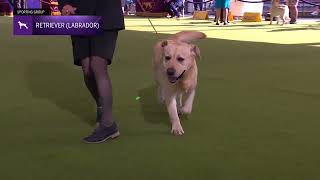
[176, 72]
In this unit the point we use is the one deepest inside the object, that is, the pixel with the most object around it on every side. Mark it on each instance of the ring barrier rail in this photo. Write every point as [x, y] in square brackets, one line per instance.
[311, 3]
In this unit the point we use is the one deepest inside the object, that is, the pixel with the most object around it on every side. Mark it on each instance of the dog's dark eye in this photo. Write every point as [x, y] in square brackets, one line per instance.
[167, 58]
[180, 59]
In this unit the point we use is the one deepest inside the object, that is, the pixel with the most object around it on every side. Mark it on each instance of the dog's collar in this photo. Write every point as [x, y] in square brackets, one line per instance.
[181, 75]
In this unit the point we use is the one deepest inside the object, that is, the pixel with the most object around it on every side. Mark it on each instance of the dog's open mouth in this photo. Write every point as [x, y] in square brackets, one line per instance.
[172, 79]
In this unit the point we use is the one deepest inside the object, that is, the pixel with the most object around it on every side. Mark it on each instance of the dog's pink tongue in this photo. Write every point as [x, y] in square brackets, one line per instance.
[172, 79]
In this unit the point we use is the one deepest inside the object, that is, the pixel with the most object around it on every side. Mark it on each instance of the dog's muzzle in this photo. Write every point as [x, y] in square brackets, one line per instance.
[174, 79]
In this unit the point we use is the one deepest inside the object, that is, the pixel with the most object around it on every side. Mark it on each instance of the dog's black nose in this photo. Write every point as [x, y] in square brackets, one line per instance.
[171, 71]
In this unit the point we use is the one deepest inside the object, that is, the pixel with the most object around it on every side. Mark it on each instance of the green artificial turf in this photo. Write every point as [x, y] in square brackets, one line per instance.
[256, 114]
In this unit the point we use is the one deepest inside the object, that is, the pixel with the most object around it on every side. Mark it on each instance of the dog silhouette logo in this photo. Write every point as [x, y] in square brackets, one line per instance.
[21, 25]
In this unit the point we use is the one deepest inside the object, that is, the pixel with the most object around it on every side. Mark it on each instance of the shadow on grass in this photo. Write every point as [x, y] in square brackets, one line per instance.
[207, 22]
[235, 26]
[216, 28]
[251, 26]
[153, 111]
[141, 17]
[288, 29]
[61, 86]
[311, 44]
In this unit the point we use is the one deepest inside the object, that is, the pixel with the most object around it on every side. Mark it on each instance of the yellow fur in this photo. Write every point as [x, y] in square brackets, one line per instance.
[184, 81]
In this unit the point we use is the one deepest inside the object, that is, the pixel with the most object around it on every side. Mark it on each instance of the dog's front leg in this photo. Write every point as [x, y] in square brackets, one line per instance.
[160, 95]
[179, 100]
[271, 19]
[283, 21]
[179, 103]
[173, 113]
[187, 108]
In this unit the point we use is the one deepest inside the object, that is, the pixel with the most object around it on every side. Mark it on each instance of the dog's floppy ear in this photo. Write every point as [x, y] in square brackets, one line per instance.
[164, 43]
[158, 51]
[196, 51]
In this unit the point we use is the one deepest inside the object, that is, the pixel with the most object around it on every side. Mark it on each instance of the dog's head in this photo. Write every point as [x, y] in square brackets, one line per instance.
[178, 58]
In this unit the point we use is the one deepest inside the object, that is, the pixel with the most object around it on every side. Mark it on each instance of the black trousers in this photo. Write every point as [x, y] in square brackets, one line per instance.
[198, 3]
[171, 9]
[101, 45]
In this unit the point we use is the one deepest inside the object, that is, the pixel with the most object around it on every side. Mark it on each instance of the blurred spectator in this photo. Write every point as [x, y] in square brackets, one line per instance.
[128, 6]
[170, 7]
[198, 3]
[123, 4]
[293, 10]
[179, 5]
[222, 7]
[221, 17]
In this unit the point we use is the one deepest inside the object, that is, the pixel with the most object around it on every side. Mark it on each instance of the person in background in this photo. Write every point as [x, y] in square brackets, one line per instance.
[179, 5]
[123, 4]
[198, 3]
[293, 10]
[128, 6]
[222, 5]
[221, 17]
[170, 7]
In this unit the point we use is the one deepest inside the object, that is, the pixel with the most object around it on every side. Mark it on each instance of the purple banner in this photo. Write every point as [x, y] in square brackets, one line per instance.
[33, 4]
[57, 25]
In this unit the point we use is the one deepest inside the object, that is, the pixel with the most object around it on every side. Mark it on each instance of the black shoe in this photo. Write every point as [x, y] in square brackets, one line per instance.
[225, 24]
[102, 133]
[217, 23]
[293, 22]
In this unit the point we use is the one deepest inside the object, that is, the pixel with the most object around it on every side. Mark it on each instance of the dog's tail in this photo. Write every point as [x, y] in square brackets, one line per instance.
[188, 36]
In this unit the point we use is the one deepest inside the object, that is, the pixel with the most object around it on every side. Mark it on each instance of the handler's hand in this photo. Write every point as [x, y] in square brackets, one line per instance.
[68, 10]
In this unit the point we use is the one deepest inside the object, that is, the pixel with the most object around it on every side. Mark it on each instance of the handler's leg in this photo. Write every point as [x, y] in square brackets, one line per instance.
[89, 79]
[107, 128]
[293, 10]
[104, 87]
[293, 14]
[91, 84]
[102, 49]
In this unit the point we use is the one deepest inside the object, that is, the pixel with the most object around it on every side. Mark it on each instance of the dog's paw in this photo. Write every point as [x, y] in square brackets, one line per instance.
[185, 110]
[161, 99]
[177, 129]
